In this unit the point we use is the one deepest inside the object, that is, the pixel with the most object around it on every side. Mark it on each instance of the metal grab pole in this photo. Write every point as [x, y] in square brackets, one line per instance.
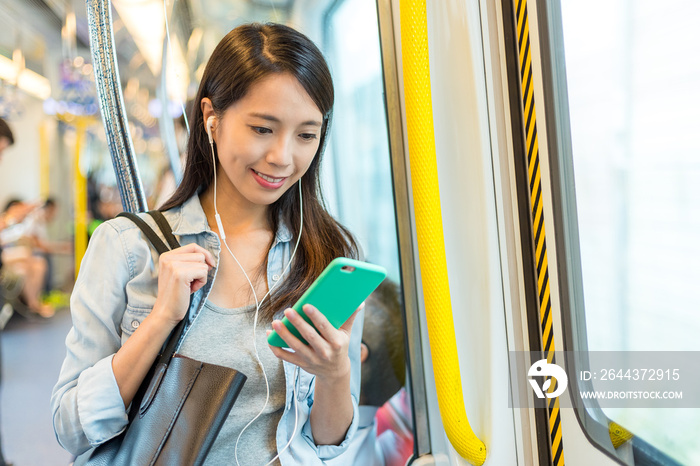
[109, 93]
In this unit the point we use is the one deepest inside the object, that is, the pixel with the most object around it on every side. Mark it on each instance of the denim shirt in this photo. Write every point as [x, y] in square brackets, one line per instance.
[116, 289]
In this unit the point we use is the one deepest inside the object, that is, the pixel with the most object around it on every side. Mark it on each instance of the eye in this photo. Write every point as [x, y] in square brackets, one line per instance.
[308, 136]
[261, 129]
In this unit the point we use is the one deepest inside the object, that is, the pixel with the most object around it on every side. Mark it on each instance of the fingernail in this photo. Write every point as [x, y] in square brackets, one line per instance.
[309, 309]
[362, 306]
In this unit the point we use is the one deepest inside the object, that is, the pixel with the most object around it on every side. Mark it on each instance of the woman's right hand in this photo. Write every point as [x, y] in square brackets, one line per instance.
[182, 271]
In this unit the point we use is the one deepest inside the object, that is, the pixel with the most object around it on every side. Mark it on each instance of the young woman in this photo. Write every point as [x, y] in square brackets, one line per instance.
[266, 99]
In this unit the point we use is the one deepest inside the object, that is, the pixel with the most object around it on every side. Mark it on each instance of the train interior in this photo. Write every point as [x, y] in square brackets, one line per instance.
[522, 169]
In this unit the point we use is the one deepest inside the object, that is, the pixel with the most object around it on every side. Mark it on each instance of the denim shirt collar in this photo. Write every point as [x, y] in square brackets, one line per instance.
[190, 219]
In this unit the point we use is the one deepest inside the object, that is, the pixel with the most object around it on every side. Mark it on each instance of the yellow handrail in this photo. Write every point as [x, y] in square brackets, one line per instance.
[618, 434]
[44, 163]
[80, 193]
[431, 246]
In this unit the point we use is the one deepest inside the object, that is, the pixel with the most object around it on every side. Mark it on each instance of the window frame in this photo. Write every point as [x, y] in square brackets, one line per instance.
[591, 418]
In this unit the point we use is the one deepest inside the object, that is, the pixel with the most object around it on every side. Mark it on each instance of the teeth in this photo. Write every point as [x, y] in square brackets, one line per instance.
[269, 179]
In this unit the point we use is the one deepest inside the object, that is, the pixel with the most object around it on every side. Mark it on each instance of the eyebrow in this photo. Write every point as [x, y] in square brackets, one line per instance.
[267, 117]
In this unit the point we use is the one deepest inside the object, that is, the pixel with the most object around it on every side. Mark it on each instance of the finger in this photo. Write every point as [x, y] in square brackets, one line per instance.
[195, 276]
[347, 326]
[292, 341]
[197, 271]
[273, 348]
[194, 247]
[320, 321]
[190, 257]
[179, 259]
[309, 333]
[285, 355]
[197, 284]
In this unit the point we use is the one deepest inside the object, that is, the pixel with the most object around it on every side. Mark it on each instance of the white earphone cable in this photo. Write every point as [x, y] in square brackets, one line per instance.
[255, 346]
[296, 420]
[222, 234]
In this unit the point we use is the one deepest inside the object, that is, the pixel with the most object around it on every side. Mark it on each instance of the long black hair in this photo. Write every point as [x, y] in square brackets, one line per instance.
[243, 57]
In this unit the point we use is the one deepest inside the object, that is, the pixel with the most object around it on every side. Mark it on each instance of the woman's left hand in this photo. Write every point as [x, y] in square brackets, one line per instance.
[326, 355]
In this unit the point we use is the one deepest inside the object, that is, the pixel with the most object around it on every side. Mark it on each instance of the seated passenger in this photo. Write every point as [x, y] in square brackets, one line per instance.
[38, 238]
[19, 260]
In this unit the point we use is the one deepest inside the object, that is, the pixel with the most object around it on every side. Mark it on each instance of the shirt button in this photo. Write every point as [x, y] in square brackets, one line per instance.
[275, 277]
[135, 324]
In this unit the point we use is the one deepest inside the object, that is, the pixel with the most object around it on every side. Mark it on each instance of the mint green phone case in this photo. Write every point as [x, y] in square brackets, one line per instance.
[336, 293]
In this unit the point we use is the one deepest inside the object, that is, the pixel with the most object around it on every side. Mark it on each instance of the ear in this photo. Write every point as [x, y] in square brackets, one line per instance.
[364, 352]
[207, 111]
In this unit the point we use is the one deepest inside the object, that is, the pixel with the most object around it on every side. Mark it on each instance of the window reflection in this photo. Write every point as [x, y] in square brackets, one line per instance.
[361, 171]
[633, 97]
[360, 192]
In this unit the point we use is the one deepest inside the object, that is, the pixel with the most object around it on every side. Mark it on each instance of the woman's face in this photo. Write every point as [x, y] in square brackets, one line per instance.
[266, 140]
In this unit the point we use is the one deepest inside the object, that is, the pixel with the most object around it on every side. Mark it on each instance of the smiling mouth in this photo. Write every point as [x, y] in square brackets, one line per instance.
[269, 179]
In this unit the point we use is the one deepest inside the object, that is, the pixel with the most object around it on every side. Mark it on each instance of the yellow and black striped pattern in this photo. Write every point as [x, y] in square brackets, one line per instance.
[533, 164]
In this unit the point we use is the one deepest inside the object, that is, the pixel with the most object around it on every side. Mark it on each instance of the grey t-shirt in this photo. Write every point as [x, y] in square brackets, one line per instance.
[225, 337]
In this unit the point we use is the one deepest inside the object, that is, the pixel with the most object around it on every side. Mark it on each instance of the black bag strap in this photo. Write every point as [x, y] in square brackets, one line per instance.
[176, 334]
[148, 231]
[146, 391]
[165, 228]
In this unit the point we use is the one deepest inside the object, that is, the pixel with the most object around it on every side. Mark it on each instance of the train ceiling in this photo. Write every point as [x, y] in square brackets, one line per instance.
[34, 27]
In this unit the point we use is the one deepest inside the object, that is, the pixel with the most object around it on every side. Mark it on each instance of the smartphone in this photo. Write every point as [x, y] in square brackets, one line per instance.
[336, 293]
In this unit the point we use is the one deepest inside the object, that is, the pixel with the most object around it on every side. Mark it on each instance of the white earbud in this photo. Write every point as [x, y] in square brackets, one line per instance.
[210, 124]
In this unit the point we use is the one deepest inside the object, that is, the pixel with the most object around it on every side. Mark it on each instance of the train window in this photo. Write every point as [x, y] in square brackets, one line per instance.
[360, 189]
[359, 145]
[633, 99]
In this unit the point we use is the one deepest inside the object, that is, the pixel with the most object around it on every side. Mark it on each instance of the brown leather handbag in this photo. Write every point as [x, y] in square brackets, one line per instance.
[180, 407]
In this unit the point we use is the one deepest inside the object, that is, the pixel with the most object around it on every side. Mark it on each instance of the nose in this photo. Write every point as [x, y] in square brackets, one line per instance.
[280, 153]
